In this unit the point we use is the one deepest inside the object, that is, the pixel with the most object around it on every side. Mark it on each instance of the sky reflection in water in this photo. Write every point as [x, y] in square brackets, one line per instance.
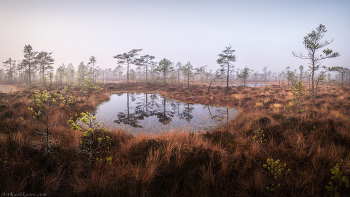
[6, 89]
[249, 84]
[152, 113]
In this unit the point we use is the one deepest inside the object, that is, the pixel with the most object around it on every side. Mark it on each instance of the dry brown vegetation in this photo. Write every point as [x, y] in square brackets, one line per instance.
[226, 161]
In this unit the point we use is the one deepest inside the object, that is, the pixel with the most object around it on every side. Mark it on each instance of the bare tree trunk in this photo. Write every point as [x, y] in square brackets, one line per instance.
[313, 84]
[210, 85]
[164, 80]
[42, 76]
[30, 81]
[146, 74]
[228, 74]
[188, 77]
[127, 73]
[11, 71]
[315, 90]
[312, 76]
[342, 75]
[93, 73]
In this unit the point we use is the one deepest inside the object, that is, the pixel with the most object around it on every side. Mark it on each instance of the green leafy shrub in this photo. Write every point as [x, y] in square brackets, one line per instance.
[259, 136]
[93, 143]
[276, 171]
[340, 182]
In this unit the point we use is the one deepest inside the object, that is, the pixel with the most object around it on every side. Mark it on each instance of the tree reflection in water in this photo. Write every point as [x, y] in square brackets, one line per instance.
[186, 113]
[165, 117]
[147, 111]
[129, 119]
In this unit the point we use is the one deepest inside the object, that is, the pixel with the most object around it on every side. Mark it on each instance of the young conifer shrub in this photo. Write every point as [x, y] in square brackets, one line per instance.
[259, 136]
[340, 180]
[276, 171]
[298, 91]
[93, 143]
[43, 108]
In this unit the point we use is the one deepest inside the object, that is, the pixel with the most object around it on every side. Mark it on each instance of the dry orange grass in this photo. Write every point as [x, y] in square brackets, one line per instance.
[266, 100]
[338, 114]
[238, 96]
[224, 161]
[277, 105]
[259, 104]
[3, 137]
[340, 97]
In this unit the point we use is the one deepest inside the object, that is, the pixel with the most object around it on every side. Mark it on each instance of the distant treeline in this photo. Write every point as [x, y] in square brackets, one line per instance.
[36, 67]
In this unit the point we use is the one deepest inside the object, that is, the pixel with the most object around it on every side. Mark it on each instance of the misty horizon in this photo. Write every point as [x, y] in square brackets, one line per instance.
[262, 35]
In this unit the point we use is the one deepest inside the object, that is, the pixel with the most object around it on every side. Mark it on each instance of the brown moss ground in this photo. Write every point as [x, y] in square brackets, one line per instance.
[223, 162]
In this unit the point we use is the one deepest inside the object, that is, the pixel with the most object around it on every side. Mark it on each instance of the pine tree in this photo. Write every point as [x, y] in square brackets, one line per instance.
[164, 66]
[225, 59]
[312, 43]
[11, 66]
[244, 74]
[82, 72]
[128, 58]
[145, 61]
[60, 73]
[188, 72]
[93, 61]
[29, 60]
[44, 61]
[340, 69]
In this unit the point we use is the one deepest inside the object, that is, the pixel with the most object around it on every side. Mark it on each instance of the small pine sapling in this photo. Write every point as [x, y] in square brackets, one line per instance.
[277, 172]
[319, 78]
[43, 109]
[298, 91]
[259, 136]
[340, 180]
[93, 143]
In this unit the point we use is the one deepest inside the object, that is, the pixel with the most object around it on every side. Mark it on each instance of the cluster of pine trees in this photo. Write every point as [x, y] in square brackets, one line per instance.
[37, 67]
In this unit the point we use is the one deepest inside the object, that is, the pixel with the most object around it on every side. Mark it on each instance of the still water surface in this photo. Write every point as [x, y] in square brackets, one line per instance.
[249, 84]
[7, 88]
[153, 113]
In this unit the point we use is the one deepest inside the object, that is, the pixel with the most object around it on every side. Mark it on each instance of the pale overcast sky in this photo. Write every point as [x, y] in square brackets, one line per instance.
[263, 33]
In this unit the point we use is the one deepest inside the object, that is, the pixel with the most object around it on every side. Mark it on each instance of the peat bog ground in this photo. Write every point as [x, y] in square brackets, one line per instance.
[272, 148]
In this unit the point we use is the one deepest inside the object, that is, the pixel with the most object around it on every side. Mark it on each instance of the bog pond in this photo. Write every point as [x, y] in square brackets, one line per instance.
[248, 84]
[7, 88]
[153, 114]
